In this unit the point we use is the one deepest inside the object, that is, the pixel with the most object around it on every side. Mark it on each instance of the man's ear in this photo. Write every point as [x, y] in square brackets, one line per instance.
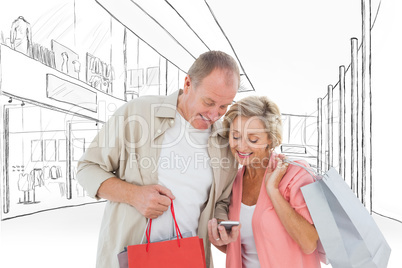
[187, 84]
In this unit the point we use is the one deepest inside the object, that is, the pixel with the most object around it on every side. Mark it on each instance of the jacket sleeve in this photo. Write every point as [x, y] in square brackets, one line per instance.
[228, 176]
[222, 204]
[102, 158]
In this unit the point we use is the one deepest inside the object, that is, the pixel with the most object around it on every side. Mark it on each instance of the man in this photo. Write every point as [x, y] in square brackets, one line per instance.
[161, 148]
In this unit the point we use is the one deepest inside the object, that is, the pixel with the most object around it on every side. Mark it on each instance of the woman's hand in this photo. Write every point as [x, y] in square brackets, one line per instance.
[273, 179]
[219, 237]
[301, 231]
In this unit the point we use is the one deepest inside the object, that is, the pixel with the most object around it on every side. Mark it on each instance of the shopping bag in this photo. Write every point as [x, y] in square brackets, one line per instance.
[181, 252]
[123, 255]
[348, 233]
[123, 258]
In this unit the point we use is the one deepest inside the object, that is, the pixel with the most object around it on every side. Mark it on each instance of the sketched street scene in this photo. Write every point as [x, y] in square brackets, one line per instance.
[66, 66]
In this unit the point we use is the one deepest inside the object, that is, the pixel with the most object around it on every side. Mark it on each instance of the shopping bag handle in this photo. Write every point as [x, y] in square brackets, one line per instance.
[310, 171]
[177, 229]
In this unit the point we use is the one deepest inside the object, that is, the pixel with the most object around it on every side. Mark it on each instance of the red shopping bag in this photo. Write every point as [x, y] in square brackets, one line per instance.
[181, 252]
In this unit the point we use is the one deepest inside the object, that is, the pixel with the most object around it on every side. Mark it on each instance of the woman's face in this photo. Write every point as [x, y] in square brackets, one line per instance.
[248, 141]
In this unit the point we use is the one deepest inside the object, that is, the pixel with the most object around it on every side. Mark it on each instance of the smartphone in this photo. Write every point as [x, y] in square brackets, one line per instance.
[229, 224]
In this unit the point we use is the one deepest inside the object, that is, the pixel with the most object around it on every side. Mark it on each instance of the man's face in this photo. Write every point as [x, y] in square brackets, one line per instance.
[204, 105]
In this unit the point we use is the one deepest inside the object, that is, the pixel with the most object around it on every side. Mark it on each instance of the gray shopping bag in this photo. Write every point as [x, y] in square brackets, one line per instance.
[348, 233]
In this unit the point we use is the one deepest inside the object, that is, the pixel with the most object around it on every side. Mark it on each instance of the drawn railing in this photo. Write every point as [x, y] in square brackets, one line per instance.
[344, 122]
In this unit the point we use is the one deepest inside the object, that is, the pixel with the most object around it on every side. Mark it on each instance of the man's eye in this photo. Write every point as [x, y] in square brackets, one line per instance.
[209, 103]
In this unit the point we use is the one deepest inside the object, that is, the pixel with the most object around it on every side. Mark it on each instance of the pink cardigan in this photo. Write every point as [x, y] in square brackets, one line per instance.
[275, 247]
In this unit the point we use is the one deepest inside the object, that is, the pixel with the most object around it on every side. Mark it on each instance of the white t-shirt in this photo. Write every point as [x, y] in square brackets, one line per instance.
[184, 168]
[248, 248]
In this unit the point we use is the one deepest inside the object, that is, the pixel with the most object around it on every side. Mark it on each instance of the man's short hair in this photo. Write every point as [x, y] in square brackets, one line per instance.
[209, 61]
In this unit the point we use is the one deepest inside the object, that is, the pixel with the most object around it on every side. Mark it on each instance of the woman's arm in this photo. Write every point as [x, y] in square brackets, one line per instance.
[301, 231]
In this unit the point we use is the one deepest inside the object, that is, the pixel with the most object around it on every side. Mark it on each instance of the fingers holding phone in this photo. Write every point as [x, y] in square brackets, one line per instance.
[228, 225]
[223, 233]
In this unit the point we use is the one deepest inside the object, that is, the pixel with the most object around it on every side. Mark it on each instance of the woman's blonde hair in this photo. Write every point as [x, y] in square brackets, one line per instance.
[262, 108]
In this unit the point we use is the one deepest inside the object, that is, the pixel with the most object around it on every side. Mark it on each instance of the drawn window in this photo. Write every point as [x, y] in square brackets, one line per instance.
[153, 76]
[62, 152]
[293, 149]
[50, 150]
[78, 148]
[135, 78]
[36, 150]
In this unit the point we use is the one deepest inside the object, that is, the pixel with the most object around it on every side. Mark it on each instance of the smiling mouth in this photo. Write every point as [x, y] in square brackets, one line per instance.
[243, 155]
[204, 118]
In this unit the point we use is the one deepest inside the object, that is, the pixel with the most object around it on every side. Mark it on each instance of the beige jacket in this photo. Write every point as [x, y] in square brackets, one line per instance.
[128, 147]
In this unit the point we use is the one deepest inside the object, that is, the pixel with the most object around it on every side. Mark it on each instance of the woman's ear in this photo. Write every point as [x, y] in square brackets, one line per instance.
[269, 145]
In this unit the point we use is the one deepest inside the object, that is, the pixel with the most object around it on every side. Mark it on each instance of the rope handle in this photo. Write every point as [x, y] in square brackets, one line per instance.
[177, 229]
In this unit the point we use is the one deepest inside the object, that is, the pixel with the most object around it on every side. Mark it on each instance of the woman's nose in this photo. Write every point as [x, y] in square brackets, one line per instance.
[242, 144]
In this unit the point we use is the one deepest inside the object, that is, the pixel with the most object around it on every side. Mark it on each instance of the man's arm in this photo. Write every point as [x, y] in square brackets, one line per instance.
[218, 236]
[150, 200]
[95, 172]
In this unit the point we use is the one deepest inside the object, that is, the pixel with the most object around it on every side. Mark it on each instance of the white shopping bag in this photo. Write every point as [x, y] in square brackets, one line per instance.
[348, 233]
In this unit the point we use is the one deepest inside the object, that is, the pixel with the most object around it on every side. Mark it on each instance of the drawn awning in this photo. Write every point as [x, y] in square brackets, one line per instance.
[178, 30]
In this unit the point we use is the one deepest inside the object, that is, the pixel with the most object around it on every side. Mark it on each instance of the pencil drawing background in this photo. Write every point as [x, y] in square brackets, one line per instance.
[288, 50]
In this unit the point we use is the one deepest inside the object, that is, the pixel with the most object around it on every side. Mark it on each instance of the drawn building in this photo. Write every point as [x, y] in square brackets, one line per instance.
[66, 70]
[60, 84]
[56, 95]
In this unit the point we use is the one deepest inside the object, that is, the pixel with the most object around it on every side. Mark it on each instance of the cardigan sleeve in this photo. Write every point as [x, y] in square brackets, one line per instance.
[294, 193]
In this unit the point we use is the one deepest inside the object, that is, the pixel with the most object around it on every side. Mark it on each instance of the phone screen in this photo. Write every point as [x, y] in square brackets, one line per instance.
[229, 224]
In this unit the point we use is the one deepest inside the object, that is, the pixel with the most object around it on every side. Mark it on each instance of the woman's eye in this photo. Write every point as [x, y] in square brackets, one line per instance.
[253, 141]
[235, 138]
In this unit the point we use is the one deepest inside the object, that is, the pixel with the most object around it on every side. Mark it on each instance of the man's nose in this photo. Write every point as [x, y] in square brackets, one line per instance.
[214, 114]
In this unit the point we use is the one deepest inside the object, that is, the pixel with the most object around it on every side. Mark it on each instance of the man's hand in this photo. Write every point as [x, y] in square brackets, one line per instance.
[218, 236]
[151, 200]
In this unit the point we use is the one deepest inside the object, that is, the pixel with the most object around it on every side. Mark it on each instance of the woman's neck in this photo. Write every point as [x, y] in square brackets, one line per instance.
[254, 173]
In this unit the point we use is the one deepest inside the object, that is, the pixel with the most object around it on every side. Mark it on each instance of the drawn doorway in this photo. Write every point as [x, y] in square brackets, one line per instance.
[79, 135]
[41, 148]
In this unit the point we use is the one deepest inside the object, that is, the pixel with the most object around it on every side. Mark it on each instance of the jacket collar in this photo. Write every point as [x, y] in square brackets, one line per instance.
[167, 109]
[217, 129]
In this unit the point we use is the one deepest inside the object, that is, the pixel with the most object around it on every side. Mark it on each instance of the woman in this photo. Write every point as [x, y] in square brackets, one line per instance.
[276, 227]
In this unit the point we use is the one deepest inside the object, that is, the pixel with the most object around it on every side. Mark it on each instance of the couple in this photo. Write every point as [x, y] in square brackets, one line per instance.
[136, 162]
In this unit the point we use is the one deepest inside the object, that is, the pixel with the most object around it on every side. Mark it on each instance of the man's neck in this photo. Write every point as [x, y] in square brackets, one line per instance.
[180, 104]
